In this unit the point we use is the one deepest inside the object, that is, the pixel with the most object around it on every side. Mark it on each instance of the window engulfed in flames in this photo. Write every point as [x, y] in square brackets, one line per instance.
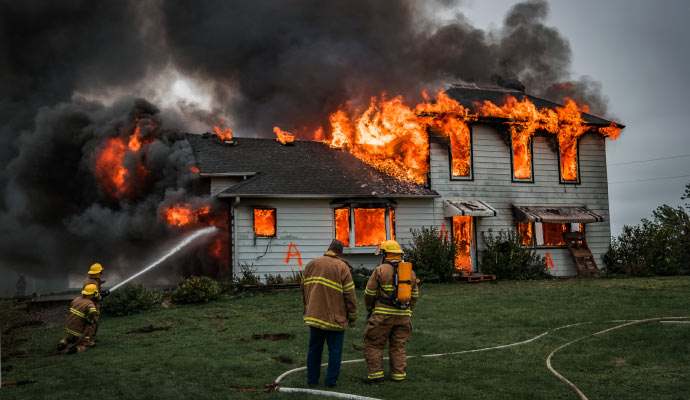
[460, 150]
[553, 233]
[526, 233]
[265, 221]
[342, 225]
[370, 226]
[463, 234]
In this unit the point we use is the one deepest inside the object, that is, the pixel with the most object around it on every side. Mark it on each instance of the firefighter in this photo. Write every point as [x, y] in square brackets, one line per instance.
[94, 278]
[387, 319]
[82, 315]
[330, 305]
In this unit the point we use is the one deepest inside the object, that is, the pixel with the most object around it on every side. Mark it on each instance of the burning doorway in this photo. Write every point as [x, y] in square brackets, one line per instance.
[463, 237]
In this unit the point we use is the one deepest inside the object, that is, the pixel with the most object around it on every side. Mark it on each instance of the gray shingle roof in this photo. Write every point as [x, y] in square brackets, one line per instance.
[467, 96]
[303, 169]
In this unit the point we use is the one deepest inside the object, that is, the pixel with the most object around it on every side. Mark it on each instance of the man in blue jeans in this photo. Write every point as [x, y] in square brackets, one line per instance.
[330, 305]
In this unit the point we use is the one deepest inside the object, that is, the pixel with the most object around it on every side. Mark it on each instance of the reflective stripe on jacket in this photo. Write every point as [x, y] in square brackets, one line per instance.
[81, 312]
[380, 284]
[328, 293]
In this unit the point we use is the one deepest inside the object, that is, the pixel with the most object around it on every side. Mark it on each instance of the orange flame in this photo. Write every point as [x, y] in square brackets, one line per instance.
[342, 225]
[118, 180]
[183, 214]
[463, 233]
[525, 232]
[370, 226]
[264, 222]
[223, 132]
[194, 168]
[282, 136]
[553, 233]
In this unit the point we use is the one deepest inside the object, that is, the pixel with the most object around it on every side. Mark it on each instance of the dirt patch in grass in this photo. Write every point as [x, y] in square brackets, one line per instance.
[23, 325]
[222, 330]
[150, 328]
[261, 350]
[273, 337]
[284, 360]
[220, 317]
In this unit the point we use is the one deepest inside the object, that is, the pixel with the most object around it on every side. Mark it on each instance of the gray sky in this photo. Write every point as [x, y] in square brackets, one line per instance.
[638, 50]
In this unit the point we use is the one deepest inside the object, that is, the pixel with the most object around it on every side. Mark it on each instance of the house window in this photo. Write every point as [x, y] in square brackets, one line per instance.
[366, 226]
[546, 233]
[461, 153]
[265, 222]
[463, 235]
[521, 157]
[568, 160]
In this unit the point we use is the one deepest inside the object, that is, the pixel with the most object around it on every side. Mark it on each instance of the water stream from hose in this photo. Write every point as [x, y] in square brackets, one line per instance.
[174, 250]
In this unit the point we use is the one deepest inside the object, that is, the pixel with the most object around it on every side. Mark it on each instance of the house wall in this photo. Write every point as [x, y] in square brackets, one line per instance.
[492, 184]
[308, 225]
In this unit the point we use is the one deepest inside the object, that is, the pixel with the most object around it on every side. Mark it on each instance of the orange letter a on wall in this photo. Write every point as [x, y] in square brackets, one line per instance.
[291, 254]
[549, 261]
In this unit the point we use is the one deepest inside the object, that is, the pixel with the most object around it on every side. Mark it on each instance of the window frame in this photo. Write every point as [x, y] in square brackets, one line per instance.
[531, 164]
[352, 231]
[545, 246]
[560, 170]
[470, 176]
[275, 222]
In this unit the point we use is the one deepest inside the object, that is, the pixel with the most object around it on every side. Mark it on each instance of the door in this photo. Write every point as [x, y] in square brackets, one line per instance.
[463, 235]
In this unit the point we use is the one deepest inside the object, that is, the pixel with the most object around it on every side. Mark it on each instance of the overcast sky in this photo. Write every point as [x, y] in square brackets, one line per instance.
[638, 50]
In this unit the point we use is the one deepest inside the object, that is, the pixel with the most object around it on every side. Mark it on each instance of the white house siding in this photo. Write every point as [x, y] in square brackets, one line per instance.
[309, 225]
[492, 184]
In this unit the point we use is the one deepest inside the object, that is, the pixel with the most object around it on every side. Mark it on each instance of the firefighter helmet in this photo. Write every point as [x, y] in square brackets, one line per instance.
[90, 290]
[389, 246]
[95, 269]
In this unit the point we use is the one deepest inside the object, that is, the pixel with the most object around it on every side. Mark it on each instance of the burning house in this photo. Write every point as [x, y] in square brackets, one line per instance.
[469, 161]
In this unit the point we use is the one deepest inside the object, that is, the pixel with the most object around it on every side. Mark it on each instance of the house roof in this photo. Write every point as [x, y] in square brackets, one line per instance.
[469, 95]
[304, 169]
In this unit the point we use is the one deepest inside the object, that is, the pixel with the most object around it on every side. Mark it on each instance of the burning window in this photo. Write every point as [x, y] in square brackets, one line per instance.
[546, 233]
[526, 233]
[521, 156]
[371, 225]
[460, 152]
[568, 159]
[265, 222]
[342, 225]
[463, 234]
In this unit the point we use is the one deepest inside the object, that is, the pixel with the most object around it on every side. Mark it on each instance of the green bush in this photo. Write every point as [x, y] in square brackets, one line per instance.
[660, 246]
[247, 275]
[196, 289]
[294, 277]
[276, 279]
[431, 255]
[360, 276]
[505, 257]
[130, 299]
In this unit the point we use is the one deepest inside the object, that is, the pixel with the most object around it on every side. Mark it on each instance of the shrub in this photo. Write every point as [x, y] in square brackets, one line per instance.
[360, 276]
[660, 246]
[294, 277]
[196, 289]
[130, 299]
[247, 276]
[431, 255]
[506, 258]
[271, 279]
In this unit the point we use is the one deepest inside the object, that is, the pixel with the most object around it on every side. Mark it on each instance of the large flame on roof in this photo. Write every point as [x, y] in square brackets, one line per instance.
[284, 137]
[223, 132]
[119, 164]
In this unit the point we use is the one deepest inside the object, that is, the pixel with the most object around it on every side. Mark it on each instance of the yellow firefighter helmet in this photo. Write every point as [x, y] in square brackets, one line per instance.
[389, 246]
[90, 290]
[95, 269]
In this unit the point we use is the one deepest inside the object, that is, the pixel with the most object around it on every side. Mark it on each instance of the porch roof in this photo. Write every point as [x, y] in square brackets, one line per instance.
[471, 208]
[556, 214]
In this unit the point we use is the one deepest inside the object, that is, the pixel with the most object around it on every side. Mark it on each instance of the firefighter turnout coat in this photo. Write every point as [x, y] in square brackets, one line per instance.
[328, 293]
[82, 312]
[387, 323]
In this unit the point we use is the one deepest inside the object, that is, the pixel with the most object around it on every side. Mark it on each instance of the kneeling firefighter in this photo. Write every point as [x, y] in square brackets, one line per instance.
[390, 297]
[82, 316]
[94, 278]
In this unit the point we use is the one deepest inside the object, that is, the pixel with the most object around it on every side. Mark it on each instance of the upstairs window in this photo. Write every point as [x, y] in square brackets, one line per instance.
[461, 152]
[366, 226]
[521, 157]
[568, 161]
[265, 222]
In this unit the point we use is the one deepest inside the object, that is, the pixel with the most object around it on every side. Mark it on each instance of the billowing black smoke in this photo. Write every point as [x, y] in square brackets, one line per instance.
[289, 63]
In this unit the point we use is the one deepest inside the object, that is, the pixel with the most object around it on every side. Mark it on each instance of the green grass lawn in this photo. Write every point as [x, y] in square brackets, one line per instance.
[209, 348]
